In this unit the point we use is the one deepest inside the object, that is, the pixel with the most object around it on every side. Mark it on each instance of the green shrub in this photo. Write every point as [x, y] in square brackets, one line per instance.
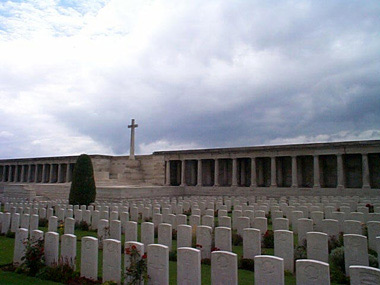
[83, 226]
[43, 222]
[173, 255]
[337, 268]
[10, 234]
[300, 252]
[83, 189]
[247, 264]
[335, 242]
[174, 234]
[237, 239]
[34, 259]
[373, 262]
[268, 239]
[61, 273]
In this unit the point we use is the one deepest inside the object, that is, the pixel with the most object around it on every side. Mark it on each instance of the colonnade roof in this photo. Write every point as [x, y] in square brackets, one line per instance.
[54, 158]
[334, 145]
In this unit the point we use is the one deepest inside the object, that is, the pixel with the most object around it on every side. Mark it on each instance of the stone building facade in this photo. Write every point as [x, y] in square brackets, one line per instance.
[303, 169]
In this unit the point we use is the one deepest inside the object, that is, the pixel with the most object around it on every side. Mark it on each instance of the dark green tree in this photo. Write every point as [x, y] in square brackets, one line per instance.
[83, 189]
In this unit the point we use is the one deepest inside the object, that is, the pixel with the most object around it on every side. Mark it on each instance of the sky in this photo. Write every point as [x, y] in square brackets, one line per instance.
[193, 74]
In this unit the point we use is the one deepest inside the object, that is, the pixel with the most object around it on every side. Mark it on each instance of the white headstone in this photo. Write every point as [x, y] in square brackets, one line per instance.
[188, 266]
[204, 240]
[355, 251]
[19, 248]
[51, 248]
[284, 248]
[224, 269]
[360, 275]
[269, 270]
[147, 233]
[312, 272]
[317, 246]
[184, 236]
[223, 239]
[68, 250]
[131, 231]
[165, 235]
[111, 260]
[89, 258]
[158, 264]
[251, 243]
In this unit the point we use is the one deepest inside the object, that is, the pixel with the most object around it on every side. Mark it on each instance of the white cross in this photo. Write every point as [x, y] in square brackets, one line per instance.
[132, 126]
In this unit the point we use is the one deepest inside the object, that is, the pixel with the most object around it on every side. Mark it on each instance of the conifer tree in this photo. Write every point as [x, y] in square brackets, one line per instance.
[83, 189]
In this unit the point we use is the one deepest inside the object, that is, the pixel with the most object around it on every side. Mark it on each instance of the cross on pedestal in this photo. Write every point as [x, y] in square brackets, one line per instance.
[132, 126]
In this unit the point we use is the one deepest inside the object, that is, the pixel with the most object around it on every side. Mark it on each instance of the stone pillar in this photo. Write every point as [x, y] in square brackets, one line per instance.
[4, 169]
[253, 172]
[15, 179]
[36, 173]
[22, 173]
[59, 173]
[340, 171]
[242, 173]
[234, 172]
[10, 173]
[167, 173]
[199, 175]
[51, 173]
[29, 173]
[273, 182]
[216, 172]
[294, 172]
[43, 173]
[68, 173]
[365, 167]
[183, 172]
[317, 183]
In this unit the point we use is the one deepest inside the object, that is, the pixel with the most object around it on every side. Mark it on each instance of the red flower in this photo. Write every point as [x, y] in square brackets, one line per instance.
[198, 245]
[215, 249]
[144, 256]
[133, 247]
[127, 251]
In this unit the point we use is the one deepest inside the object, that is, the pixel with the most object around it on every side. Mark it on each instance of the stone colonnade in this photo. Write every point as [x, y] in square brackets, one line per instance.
[39, 172]
[353, 170]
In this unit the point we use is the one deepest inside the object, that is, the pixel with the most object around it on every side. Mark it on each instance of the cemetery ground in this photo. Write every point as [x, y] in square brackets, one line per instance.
[7, 247]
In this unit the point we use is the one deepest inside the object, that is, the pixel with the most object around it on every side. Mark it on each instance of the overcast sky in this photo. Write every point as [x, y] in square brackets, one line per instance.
[194, 74]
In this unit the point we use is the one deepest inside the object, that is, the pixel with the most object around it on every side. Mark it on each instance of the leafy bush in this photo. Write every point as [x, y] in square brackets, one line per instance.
[83, 226]
[373, 262]
[173, 255]
[268, 239]
[61, 273]
[337, 268]
[137, 271]
[247, 264]
[174, 234]
[237, 239]
[34, 259]
[83, 189]
[335, 242]
[206, 261]
[300, 252]
[43, 222]
[10, 234]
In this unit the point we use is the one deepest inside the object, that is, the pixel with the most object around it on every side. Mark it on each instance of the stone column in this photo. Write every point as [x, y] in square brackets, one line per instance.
[199, 174]
[253, 172]
[365, 166]
[59, 173]
[317, 183]
[43, 173]
[36, 173]
[29, 173]
[242, 173]
[340, 173]
[183, 171]
[16, 174]
[234, 172]
[273, 182]
[22, 173]
[68, 173]
[10, 173]
[167, 173]
[51, 173]
[216, 173]
[294, 172]
[3, 178]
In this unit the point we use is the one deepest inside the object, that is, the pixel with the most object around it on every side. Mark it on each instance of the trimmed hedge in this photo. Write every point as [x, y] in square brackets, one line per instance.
[83, 189]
